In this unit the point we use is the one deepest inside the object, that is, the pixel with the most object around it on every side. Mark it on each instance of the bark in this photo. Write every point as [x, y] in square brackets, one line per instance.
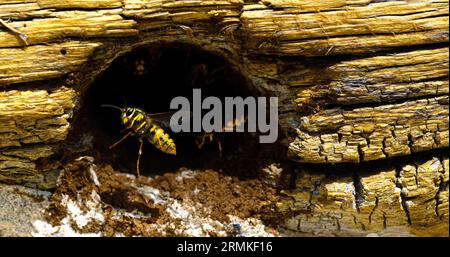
[358, 81]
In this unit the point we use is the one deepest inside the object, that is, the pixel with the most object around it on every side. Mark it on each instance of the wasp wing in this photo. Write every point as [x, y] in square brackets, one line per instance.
[163, 119]
[231, 125]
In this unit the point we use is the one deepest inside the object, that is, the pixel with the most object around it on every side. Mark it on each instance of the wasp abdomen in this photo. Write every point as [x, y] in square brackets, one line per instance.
[142, 125]
[161, 140]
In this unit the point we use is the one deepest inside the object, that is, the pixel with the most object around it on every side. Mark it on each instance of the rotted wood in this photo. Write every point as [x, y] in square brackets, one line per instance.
[31, 122]
[307, 28]
[408, 198]
[372, 133]
[358, 81]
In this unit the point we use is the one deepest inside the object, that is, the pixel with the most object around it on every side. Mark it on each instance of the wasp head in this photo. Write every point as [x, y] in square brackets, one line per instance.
[127, 114]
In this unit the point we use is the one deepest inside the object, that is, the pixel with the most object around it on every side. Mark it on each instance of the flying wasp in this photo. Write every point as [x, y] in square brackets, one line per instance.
[212, 137]
[145, 126]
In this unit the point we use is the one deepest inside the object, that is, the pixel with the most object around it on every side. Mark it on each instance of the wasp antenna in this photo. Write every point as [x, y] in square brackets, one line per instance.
[112, 106]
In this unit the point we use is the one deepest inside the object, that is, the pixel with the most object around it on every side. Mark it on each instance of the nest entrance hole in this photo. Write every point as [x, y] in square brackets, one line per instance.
[149, 77]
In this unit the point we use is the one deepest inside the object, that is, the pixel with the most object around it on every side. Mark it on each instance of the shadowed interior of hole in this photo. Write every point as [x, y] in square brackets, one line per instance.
[149, 78]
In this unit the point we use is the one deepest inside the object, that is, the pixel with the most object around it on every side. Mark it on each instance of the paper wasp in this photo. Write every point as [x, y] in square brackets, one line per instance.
[145, 126]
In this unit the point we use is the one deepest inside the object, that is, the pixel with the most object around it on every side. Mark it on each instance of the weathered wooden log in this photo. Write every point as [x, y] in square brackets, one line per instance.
[358, 81]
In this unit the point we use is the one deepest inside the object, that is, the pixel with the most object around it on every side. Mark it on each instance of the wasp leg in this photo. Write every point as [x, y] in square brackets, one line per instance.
[200, 141]
[219, 144]
[211, 137]
[120, 141]
[141, 143]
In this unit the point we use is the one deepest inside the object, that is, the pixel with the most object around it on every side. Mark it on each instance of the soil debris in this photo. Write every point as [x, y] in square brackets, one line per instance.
[96, 200]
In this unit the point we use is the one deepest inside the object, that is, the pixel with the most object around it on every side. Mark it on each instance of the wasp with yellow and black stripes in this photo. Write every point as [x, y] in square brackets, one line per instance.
[145, 126]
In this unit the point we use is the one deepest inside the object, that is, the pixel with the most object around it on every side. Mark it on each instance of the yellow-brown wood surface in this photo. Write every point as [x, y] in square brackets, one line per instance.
[358, 81]
[402, 199]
